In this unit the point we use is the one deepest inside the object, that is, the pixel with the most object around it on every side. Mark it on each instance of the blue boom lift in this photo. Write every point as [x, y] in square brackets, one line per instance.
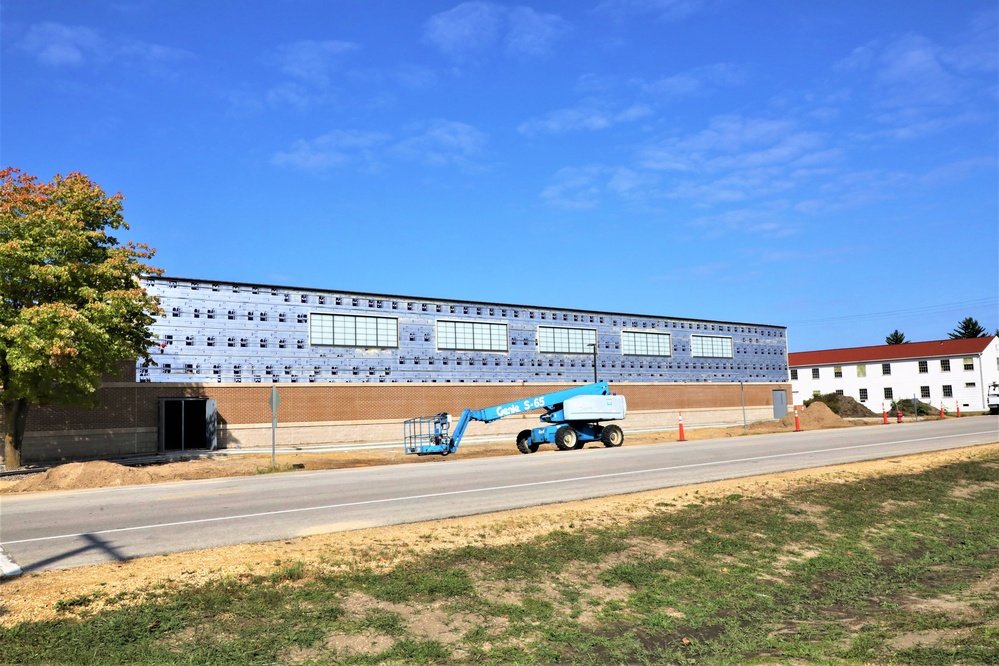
[573, 419]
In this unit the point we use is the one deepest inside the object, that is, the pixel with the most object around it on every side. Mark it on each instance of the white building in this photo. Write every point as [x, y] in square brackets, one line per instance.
[951, 372]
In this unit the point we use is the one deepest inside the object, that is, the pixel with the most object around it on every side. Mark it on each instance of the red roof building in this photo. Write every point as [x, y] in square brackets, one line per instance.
[948, 373]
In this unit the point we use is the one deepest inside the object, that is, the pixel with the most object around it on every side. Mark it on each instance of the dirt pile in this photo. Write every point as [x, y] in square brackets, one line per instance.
[815, 417]
[96, 474]
[843, 405]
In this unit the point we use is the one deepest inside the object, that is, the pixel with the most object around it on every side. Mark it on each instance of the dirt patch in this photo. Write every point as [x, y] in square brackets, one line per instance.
[36, 596]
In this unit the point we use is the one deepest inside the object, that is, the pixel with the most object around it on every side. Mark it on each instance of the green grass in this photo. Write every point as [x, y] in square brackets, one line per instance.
[886, 570]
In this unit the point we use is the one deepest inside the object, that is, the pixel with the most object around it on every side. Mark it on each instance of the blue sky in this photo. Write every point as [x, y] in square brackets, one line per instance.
[828, 166]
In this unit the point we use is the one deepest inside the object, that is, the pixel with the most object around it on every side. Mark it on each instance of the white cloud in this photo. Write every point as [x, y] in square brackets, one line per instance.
[576, 188]
[586, 117]
[334, 149]
[476, 28]
[59, 45]
[311, 61]
[664, 10]
[443, 142]
[437, 143]
[697, 80]
[56, 44]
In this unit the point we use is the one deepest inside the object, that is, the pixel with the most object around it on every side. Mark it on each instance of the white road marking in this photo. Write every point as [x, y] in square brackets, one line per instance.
[451, 493]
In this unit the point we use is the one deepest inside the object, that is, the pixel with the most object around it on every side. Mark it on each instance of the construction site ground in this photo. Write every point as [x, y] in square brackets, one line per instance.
[36, 596]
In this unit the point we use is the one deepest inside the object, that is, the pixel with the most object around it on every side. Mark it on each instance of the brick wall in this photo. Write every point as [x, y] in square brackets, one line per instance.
[126, 417]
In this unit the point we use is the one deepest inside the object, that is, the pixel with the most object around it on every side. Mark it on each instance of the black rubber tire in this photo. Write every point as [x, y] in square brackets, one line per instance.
[612, 436]
[524, 443]
[566, 438]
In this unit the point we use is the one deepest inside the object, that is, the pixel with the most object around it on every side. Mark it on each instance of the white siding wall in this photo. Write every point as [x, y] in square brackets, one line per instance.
[906, 380]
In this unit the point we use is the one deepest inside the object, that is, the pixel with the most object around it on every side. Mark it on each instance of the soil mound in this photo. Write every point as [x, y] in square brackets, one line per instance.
[815, 417]
[844, 405]
[96, 474]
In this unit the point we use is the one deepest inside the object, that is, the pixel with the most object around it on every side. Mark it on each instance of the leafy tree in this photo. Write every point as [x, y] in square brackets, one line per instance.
[896, 337]
[71, 306]
[968, 328]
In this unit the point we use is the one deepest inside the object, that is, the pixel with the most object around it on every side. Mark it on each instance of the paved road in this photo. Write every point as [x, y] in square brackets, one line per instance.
[66, 529]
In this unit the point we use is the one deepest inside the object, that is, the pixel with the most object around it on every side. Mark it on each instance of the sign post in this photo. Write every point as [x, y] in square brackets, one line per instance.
[275, 401]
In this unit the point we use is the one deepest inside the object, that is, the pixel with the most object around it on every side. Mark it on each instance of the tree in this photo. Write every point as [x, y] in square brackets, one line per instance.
[968, 328]
[896, 337]
[71, 305]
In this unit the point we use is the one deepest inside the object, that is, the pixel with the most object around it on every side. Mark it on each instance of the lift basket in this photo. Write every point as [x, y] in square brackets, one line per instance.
[428, 435]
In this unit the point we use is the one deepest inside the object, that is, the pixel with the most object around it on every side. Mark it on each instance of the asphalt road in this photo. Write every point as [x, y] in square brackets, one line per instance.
[57, 530]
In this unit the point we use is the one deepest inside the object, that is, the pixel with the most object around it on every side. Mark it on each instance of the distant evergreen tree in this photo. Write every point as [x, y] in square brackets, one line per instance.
[896, 337]
[968, 328]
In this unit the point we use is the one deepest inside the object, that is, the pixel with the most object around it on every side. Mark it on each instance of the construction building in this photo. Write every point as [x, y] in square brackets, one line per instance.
[350, 367]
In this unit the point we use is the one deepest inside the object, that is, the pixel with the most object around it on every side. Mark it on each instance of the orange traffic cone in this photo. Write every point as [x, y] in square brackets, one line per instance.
[682, 438]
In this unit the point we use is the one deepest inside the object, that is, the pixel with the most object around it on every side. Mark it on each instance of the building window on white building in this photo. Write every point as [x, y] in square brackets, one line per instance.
[861, 370]
[969, 364]
[945, 365]
[888, 393]
[886, 368]
[837, 371]
[815, 373]
[863, 395]
[924, 367]
[794, 374]
[708, 346]
[948, 391]
[924, 391]
[969, 385]
[839, 391]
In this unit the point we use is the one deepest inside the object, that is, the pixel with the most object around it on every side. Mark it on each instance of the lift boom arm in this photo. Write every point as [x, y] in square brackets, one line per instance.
[432, 435]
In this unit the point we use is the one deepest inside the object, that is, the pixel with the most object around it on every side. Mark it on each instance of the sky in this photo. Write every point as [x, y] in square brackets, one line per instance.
[831, 167]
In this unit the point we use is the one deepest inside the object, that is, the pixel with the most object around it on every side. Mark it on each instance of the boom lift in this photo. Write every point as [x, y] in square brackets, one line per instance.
[573, 417]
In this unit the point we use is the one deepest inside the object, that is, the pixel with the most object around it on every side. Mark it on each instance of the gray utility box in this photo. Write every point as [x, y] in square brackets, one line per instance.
[595, 408]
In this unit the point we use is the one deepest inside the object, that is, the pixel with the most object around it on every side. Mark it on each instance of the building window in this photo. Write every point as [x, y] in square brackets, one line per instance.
[861, 370]
[945, 365]
[863, 395]
[566, 340]
[924, 367]
[634, 343]
[888, 394]
[886, 368]
[709, 346]
[815, 373]
[794, 374]
[969, 364]
[471, 336]
[924, 391]
[353, 331]
[837, 371]
[948, 391]
[839, 391]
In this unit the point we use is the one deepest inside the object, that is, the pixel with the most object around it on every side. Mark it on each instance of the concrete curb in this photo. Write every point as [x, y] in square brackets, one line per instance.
[8, 567]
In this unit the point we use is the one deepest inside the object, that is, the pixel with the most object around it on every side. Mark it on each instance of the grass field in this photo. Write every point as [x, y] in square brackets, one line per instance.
[895, 569]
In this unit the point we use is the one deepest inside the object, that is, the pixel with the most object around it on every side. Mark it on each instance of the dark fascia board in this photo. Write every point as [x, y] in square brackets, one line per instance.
[363, 294]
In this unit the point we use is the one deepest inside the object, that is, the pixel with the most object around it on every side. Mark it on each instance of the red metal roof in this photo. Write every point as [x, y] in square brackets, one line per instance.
[932, 349]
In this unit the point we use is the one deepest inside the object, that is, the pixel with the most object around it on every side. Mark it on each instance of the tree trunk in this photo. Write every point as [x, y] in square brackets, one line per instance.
[15, 418]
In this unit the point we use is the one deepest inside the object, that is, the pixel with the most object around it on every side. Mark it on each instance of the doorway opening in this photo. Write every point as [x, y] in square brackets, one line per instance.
[187, 423]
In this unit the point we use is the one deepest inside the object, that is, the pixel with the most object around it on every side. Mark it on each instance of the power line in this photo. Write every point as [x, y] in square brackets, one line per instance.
[941, 308]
